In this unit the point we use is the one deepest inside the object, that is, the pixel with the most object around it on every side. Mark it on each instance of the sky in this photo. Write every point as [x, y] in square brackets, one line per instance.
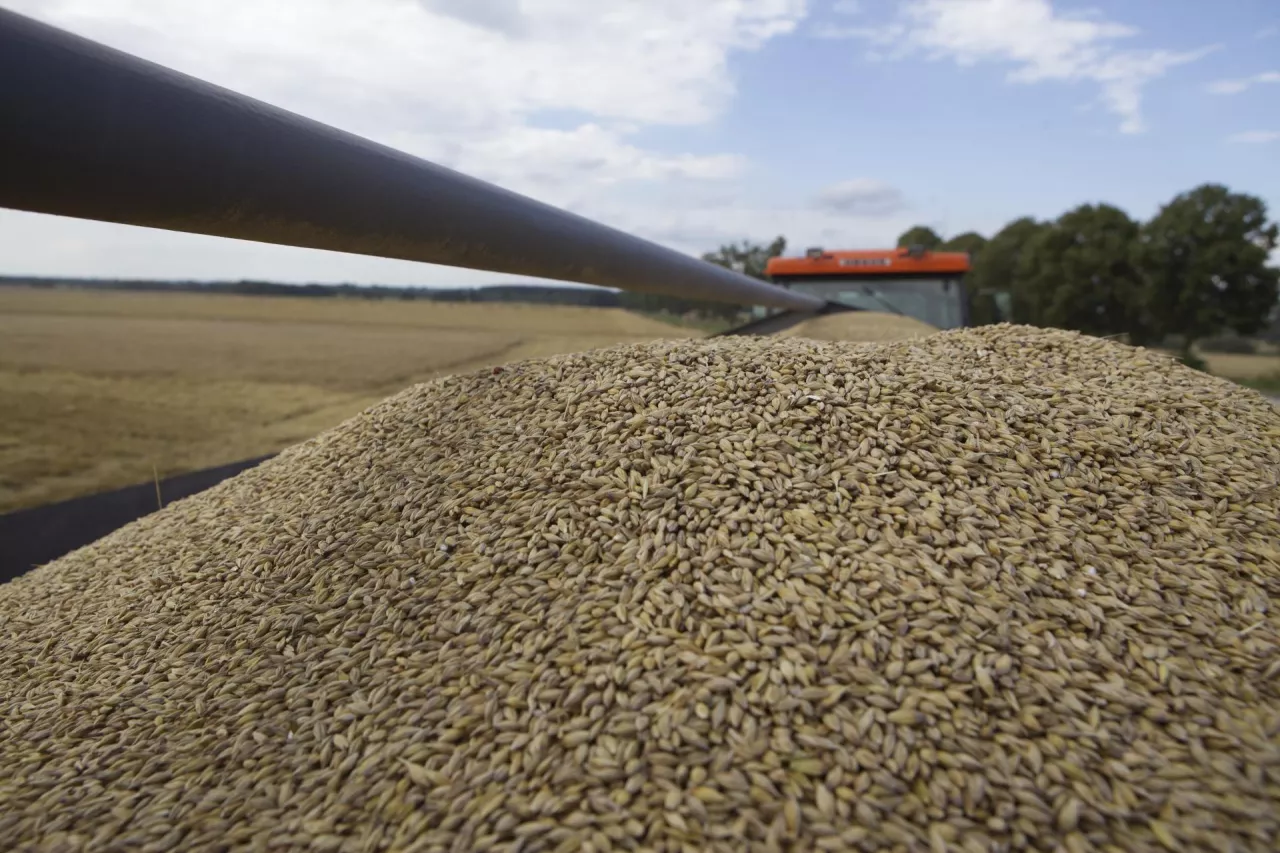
[837, 123]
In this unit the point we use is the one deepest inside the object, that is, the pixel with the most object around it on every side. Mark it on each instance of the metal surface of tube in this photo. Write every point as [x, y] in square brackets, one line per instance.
[91, 132]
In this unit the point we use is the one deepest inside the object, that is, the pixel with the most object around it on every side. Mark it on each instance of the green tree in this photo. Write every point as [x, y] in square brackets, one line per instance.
[970, 241]
[1204, 261]
[1080, 273]
[1272, 330]
[920, 235]
[747, 257]
[984, 307]
[994, 291]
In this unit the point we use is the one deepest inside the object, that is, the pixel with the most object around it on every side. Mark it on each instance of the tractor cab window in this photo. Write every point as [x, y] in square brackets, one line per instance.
[938, 301]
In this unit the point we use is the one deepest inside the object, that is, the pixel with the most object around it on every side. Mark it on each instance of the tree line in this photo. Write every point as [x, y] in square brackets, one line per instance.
[550, 294]
[536, 294]
[1199, 267]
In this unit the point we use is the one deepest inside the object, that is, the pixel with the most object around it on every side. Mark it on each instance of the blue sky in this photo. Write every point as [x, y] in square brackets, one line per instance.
[833, 122]
[969, 148]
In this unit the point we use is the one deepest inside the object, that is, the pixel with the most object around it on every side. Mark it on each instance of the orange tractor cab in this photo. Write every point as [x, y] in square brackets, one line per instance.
[910, 280]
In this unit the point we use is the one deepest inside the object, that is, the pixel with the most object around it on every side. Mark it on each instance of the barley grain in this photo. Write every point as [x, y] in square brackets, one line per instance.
[726, 594]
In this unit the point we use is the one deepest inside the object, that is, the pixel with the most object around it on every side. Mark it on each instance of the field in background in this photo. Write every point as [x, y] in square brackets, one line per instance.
[860, 326]
[1258, 371]
[107, 389]
[110, 388]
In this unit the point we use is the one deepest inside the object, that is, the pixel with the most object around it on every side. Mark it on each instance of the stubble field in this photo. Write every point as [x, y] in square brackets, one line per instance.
[105, 389]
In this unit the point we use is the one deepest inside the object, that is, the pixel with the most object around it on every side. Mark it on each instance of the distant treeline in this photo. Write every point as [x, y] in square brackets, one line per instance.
[536, 294]
[1199, 270]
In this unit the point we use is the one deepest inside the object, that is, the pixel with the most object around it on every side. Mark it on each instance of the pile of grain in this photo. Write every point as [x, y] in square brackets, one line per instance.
[860, 326]
[991, 589]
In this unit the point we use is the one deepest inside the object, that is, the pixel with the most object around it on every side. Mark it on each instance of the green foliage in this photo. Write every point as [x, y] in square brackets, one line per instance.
[1272, 330]
[970, 241]
[1204, 257]
[1079, 273]
[985, 309]
[920, 235]
[747, 257]
[995, 271]
[1199, 268]
[1228, 344]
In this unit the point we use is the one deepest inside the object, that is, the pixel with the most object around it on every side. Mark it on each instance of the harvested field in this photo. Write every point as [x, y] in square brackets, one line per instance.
[522, 319]
[1241, 366]
[990, 589]
[872, 326]
[107, 389]
[66, 434]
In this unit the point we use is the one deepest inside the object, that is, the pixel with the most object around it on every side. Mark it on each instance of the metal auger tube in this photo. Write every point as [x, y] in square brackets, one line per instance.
[91, 132]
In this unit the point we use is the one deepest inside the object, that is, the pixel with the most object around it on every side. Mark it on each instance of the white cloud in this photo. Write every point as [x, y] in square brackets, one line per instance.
[659, 61]
[846, 7]
[548, 162]
[546, 97]
[698, 224]
[1255, 137]
[504, 16]
[694, 228]
[37, 245]
[1240, 84]
[1040, 43]
[1267, 32]
[876, 36]
[861, 196]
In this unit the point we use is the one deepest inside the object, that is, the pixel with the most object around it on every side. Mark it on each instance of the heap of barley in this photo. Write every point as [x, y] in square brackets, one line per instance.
[991, 589]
